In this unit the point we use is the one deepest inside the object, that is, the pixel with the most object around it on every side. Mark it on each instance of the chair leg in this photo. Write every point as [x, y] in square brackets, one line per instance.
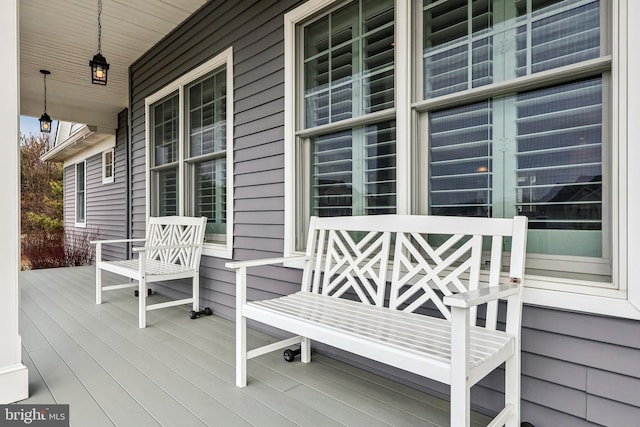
[98, 285]
[142, 303]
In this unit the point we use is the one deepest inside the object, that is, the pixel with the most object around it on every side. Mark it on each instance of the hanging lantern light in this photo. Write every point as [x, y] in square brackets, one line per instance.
[99, 65]
[45, 119]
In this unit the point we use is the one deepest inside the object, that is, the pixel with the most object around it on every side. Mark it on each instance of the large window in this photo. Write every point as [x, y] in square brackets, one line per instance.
[488, 108]
[527, 146]
[81, 193]
[347, 115]
[190, 126]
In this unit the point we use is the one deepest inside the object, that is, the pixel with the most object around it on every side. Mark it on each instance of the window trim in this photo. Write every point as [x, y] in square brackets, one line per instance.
[108, 179]
[621, 301]
[80, 224]
[225, 58]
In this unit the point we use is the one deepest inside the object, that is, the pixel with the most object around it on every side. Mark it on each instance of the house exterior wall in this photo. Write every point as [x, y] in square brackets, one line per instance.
[578, 369]
[106, 208]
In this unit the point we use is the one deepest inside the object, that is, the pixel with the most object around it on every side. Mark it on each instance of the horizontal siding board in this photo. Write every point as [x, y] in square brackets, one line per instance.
[615, 387]
[254, 141]
[264, 177]
[262, 111]
[612, 414]
[258, 165]
[264, 218]
[610, 330]
[541, 416]
[273, 246]
[259, 191]
[563, 399]
[554, 371]
[260, 205]
[613, 358]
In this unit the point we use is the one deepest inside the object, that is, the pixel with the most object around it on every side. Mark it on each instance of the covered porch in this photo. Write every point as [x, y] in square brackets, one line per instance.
[180, 371]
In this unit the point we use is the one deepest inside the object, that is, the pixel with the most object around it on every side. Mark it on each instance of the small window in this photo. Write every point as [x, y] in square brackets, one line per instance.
[81, 190]
[108, 164]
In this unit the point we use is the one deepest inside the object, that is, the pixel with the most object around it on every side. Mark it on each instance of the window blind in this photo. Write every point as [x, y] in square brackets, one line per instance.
[165, 123]
[559, 160]
[460, 167]
[349, 62]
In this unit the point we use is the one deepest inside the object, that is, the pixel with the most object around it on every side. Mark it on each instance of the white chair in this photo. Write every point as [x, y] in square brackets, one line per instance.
[171, 250]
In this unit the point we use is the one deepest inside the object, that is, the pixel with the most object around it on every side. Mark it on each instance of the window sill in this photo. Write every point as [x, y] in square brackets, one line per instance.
[217, 250]
[616, 305]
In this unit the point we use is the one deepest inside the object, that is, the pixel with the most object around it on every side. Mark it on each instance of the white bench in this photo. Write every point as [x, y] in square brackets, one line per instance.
[397, 290]
[171, 250]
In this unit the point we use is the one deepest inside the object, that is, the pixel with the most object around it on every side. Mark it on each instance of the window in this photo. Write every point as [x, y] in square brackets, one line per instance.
[346, 127]
[81, 191]
[469, 107]
[526, 146]
[107, 166]
[189, 130]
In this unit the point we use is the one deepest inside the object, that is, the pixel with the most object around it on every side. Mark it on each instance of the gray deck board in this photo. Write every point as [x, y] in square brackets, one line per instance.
[180, 372]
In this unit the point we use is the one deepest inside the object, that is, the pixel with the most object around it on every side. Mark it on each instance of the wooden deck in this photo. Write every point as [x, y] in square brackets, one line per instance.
[179, 372]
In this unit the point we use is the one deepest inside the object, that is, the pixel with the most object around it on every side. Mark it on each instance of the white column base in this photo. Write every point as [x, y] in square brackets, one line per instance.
[14, 384]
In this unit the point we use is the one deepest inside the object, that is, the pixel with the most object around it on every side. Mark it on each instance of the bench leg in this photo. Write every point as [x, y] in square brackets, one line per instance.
[460, 389]
[196, 291]
[98, 285]
[512, 388]
[305, 350]
[142, 302]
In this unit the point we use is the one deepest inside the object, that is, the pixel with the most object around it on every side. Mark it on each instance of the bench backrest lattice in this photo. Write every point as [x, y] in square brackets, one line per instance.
[390, 261]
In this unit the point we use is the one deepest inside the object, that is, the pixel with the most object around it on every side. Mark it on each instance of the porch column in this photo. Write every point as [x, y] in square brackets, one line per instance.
[14, 379]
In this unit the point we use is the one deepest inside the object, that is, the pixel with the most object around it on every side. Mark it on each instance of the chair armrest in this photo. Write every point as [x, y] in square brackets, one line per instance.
[94, 242]
[481, 296]
[154, 248]
[264, 261]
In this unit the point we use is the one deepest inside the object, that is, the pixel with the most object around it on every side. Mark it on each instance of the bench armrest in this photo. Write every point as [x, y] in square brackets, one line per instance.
[94, 242]
[481, 296]
[264, 261]
[154, 248]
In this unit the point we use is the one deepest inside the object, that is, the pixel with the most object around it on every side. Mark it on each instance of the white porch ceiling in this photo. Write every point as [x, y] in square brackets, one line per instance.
[62, 37]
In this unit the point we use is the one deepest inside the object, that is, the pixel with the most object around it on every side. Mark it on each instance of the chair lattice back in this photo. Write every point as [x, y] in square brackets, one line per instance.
[174, 231]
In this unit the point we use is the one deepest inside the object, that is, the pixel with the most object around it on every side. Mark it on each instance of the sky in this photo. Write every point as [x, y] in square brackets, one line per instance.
[31, 125]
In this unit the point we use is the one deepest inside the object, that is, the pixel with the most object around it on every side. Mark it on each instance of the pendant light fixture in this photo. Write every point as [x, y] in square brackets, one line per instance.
[99, 66]
[45, 120]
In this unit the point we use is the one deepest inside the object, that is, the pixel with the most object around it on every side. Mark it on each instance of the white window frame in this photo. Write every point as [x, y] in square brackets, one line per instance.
[621, 298]
[80, 224]
[108, 179]
[224, 59]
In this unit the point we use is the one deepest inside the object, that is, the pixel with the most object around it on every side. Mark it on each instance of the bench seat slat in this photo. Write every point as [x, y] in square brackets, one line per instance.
[405, 331]
[153, 267]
